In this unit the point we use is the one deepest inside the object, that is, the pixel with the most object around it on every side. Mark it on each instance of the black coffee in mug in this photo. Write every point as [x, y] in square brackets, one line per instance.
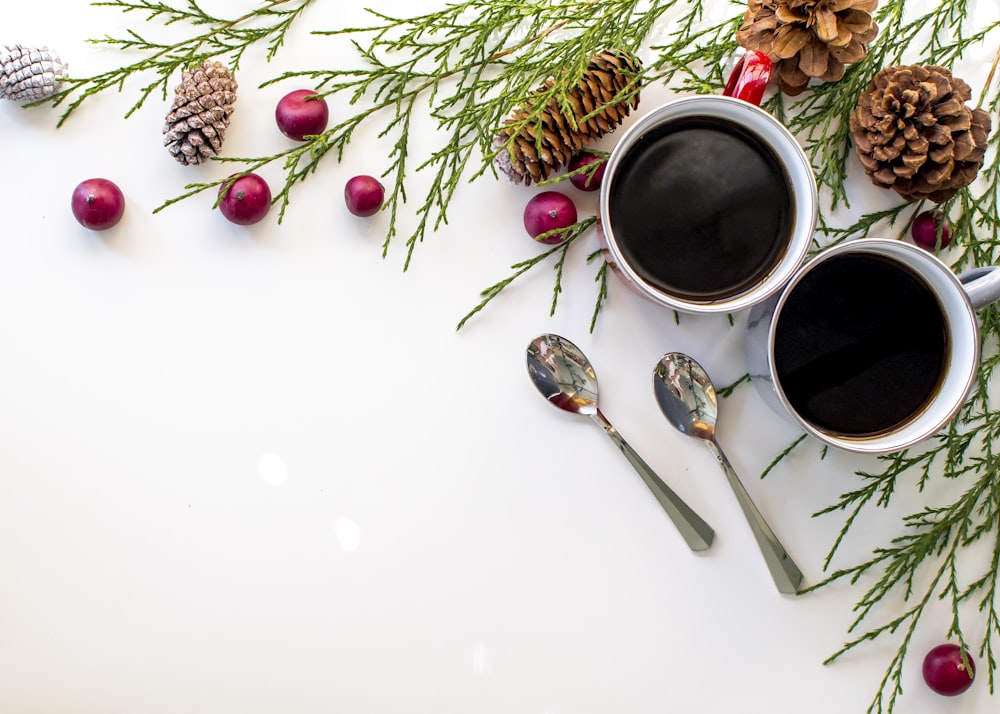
[701, 207]
[860, 345]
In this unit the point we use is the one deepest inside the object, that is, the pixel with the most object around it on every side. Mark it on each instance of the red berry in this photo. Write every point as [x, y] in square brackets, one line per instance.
[98, 204]
[302, 113]
[926, 227]
[548, 212]
[585, 180]
[945, 671]
[364, 195]
[247, 200]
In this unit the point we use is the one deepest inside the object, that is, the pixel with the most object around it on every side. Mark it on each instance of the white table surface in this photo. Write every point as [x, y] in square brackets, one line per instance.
[256, 470]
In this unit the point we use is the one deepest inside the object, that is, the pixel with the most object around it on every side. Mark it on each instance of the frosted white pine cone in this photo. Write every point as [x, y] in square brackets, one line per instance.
[28, 74]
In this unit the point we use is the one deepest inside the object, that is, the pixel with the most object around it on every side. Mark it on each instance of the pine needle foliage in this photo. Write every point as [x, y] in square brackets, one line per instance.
[265, 25]
[466, 66]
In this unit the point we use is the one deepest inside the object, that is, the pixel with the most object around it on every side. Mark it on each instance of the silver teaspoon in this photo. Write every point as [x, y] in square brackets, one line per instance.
[565, 378]
[687, 399]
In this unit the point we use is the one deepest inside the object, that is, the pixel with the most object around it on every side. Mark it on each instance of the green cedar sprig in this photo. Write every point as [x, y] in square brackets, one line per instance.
[230, 37]
[560, 250]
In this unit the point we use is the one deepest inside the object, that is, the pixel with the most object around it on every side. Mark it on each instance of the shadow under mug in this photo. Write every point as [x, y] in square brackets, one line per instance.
[950, 301]
[708, 203]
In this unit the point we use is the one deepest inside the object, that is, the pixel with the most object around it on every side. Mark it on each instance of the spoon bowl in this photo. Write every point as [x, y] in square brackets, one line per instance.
[686, 396]
[563, 375]
[687, 399]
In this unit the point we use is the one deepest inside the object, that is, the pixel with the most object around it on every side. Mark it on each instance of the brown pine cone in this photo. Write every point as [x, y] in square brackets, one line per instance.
[203, 105]
[915, 135]
[529, 152]
[808, 39]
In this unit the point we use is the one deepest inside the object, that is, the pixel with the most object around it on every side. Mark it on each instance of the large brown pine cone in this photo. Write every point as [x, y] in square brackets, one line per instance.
[536, 151]
[914, 134]
[808, 39]
[203, 105]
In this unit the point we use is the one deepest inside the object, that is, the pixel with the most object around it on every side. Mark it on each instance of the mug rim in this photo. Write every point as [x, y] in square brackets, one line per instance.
[798, 173]
[918, 426]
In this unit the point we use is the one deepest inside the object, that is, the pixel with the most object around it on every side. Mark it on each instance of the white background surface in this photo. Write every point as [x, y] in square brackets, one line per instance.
[258, 471]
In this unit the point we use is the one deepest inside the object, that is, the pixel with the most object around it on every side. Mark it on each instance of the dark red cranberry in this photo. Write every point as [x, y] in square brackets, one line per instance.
[246, 201]
[546, 213]
[98, 204]
[302, 113]
[947, 672]
[928, 227]
[591, 179]
[364, 195]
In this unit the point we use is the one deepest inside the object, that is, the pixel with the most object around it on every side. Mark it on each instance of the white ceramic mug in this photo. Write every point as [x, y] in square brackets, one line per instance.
[799, 182]
[958, 298]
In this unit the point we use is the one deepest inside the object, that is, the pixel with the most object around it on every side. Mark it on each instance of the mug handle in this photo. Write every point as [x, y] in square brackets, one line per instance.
[982, 285]
[749, 77]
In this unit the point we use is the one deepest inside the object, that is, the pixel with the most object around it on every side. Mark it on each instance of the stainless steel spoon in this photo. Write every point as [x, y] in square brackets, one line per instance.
[564, 376]
[687, 399]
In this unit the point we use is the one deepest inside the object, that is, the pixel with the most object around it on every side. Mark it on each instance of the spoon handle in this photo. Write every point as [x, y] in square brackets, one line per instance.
[785, 573]
[694, 530]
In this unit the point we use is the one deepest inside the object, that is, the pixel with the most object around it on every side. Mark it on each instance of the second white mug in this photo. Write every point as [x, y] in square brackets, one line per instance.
[873, 346]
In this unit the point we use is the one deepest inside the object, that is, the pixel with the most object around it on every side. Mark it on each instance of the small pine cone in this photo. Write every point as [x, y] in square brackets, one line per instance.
[530, 152]
[29, 73]
[203, 105]
[808, 39]
[915, 135]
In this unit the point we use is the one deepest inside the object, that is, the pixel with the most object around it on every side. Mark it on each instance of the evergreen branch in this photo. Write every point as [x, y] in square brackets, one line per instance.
[602, 286]
[780, 457]
[558, 267]
[520, 268]
[221, 38]
[728, 390]
[695, 53]
[869, 222]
